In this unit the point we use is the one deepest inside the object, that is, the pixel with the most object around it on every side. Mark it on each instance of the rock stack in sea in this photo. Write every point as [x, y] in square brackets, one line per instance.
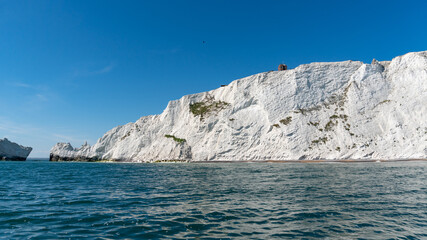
[12, 151]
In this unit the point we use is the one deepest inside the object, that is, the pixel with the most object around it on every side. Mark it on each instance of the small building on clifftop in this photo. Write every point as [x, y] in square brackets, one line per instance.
[282, 67]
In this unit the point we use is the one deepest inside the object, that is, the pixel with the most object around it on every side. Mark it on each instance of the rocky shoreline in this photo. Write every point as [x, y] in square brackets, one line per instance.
[13, 158]
[56, 158]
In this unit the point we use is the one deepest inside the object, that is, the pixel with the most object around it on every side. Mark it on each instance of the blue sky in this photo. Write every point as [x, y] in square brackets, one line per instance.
[72, 70]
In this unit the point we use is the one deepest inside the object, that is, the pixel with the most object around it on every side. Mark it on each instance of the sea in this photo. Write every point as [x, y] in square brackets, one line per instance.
[71, 200]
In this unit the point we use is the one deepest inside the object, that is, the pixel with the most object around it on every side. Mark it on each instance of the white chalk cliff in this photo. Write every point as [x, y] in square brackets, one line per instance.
[337, 110]
[12, 151]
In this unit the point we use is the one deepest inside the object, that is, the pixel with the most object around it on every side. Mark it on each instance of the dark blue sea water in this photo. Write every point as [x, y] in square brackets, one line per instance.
[51, 200]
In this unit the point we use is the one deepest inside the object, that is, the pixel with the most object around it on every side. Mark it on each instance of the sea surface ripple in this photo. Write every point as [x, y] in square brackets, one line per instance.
[54, 200]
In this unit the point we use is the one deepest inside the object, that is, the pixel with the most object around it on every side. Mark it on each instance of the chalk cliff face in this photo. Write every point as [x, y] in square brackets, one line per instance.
[12, 151]
[339, 110]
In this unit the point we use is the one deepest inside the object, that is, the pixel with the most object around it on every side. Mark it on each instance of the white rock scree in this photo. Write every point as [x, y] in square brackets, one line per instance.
[330, 111]
[11, 151]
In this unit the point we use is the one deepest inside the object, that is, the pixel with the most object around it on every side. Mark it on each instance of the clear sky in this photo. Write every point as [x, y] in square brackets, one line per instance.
[72, 70]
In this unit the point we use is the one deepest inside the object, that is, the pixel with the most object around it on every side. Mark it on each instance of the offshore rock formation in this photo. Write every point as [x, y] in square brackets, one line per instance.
[12, 151]
[338, 110]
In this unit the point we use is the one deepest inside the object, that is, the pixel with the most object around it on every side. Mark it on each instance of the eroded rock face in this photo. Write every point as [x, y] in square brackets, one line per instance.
[336, 110]
[12, 151]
